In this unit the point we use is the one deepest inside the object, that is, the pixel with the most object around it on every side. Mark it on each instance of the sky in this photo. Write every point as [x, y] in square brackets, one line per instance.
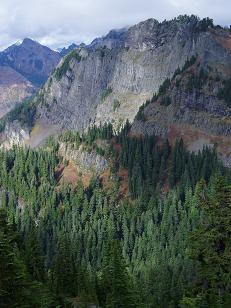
[58, 23]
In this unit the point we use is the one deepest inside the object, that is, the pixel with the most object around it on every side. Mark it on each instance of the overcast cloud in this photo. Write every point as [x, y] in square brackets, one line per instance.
[60, 22]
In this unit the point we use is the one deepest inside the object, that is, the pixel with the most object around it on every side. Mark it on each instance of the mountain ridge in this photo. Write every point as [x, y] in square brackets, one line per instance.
[109, 80]
[24, 67]
[148, 62]
[31, 59]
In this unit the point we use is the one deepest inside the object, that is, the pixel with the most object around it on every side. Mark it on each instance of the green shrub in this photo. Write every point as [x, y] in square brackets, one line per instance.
[116, 104]
[165, 101]
[189, 63]
[140, 114]
[225, 92]
[154, 98]
[106, 93]
[196, 81]
[24, 113]
[71, 137]
[204, 24]
[62, 70]
[165, 85]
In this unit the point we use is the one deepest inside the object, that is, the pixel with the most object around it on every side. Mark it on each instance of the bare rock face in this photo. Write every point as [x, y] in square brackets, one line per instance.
[110, 79]
[86, 161]
[198, 109]
[65, 50]
[14, 134]
[189, 106]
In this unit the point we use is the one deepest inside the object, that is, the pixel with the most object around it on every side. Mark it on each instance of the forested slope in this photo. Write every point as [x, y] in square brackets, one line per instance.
[163, 243]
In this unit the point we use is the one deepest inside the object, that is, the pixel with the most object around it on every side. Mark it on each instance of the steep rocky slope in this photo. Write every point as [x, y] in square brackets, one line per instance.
[65, 50]
[85, 160]
[190, 106]
[190, 97]
[111, 78]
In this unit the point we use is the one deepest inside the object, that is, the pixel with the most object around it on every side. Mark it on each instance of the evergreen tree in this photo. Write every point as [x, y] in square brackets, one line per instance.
[13, 277]
[211, 245]
[115, 282]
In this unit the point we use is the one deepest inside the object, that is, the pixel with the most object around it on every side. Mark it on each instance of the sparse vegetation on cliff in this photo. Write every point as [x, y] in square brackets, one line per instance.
[106, 93]
[23, 112]
[116, 104]
[65, 66]
[225, 92]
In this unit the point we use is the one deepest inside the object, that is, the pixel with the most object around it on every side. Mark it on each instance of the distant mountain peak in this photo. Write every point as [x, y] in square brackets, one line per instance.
[18, 43]
[24, 66]
[65, 50]
[28, 40]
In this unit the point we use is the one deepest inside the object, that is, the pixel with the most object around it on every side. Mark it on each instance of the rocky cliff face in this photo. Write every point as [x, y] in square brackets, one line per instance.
[191, 97]
[65, 50]
[85, 160]
[189, 106]
[14, 134]
[109, 80]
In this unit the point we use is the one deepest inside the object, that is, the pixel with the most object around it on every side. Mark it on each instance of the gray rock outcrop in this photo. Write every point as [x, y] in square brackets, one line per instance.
[110, 79]
[86, 161]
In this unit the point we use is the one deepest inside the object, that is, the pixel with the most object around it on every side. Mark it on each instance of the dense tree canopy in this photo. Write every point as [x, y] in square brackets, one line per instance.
[79, 246]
